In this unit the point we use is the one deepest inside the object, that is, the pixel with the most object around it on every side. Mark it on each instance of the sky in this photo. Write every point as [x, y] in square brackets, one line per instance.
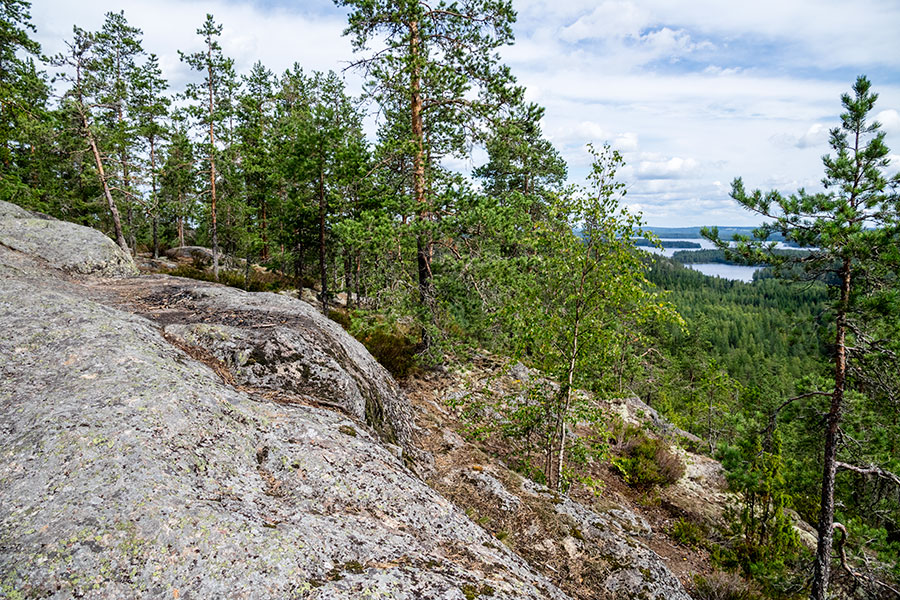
[694, 93]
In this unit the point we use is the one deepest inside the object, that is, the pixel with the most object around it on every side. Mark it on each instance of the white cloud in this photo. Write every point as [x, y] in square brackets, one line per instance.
[278, 38]
[816, 136]
[612, 18]
[890, 121]
[672, 168]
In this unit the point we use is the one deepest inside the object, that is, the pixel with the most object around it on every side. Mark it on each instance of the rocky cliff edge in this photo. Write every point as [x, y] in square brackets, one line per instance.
[162, 438]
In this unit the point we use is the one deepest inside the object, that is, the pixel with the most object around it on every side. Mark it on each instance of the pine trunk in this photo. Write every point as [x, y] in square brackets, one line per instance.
[423, 249]
[264, 231]
[323, 272]
[822, 572]
[153, 201]
[101, 173]
[212, 169]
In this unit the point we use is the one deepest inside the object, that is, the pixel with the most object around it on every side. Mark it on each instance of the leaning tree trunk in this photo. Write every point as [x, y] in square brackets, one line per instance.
[826, 512]
[101, 173]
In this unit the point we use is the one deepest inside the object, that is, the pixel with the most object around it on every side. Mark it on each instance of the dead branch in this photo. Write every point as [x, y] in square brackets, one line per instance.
[870, 470]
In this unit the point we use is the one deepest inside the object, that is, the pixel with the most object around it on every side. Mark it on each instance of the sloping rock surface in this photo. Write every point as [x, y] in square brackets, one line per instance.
[128, 469]
[164, 438]
[274, 343]
[72, 249]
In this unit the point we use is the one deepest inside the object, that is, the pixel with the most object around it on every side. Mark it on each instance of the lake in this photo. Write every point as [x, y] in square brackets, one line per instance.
[704, 245]
[733, 272]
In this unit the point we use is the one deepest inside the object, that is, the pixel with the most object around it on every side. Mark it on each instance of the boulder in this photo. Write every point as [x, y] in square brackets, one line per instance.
[71, 248]
[273, 342]
[190, 252]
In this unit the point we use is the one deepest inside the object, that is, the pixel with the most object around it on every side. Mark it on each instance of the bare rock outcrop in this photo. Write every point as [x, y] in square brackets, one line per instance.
[190, 252]
[273, 343]
[128, 469]
[61, 245]
[166, 438]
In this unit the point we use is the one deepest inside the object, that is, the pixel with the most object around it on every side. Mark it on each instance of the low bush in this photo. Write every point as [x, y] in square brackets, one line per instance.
[397, 351]
[644, 462]
[259, 281]
[723, 586]
[688, 533]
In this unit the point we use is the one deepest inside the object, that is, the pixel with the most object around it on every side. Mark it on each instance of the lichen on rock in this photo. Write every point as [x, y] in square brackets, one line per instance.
[71, 248]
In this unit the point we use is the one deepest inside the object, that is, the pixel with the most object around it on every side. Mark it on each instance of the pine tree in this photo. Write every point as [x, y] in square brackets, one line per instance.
[211, 107]
[853, 231]
[178, 179]
[24, 95]
[151, 108]
[431, 63]
[255, 115]
[117, 46]
[82, 102]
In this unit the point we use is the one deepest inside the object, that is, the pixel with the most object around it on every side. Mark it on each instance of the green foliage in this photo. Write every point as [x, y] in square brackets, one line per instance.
[765, 543]
[394, 350]
[688, 533]
[24, 94]
[645, 462]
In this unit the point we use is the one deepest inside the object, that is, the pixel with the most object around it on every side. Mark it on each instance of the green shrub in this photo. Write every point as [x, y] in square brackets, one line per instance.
[396, 351]
[191, 272]
[644, 462]
[723, 586]
[341, 317]
[688, 533]
[259, 281]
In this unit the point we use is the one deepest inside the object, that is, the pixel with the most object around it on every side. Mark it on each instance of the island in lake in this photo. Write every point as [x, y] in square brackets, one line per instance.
[645, 243]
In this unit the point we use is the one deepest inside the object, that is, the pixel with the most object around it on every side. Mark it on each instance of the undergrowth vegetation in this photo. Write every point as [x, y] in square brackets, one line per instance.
[643, 461]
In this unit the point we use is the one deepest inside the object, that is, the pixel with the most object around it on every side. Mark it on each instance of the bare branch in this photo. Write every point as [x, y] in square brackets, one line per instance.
[869, 470]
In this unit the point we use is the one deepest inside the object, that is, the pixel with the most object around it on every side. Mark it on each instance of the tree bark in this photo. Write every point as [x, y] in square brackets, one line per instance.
[129, 219]
[566, 400]
[212, 167]
[822, 571]
[323, 273]
[265, 231]
[348, 277]
[123, 157]
[101, 173]
[181, 219]
[423, 245]
[153, 201]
